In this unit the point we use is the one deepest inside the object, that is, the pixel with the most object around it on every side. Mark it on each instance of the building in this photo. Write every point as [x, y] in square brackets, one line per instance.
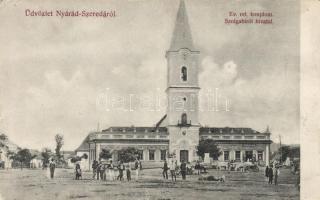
[85, 148]
[6, 146]
[36, 162]
[67, 156]
[179, 131]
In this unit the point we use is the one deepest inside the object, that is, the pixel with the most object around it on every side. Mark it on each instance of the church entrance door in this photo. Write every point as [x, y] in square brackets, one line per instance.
[249, 155]
[184, 155]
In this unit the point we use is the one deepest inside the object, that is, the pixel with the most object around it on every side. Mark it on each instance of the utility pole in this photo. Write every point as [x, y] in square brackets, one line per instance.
[89, 155]
[280, 149]
[98, 127]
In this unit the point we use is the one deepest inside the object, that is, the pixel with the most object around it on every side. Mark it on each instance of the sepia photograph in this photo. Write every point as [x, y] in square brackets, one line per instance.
[150, 99]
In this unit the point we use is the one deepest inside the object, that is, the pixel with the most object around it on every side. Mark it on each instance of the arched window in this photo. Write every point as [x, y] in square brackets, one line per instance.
[184, 74]
[184, 119]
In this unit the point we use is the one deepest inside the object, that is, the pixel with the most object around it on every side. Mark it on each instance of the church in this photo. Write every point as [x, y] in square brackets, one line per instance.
[179, 131]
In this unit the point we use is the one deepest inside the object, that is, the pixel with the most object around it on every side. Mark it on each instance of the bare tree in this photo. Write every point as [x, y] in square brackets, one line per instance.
[59, 144]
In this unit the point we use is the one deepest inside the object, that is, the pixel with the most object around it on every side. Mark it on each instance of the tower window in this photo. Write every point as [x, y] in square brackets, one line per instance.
[184, 119]
[184, 75]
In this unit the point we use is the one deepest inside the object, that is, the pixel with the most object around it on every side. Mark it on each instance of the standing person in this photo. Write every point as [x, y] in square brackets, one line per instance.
[138, 167]
[128, 171]
[172, 166]
[276, 174]
[44, 166]
[78, 171]
[266, 173]
[102, 172]
[198, 167]
[270, 175]
[121, 169]
[111, 171]
[298, 181]
[98, 170]
[94, 169]
[183, 169]
[52, 166]
[165, 170]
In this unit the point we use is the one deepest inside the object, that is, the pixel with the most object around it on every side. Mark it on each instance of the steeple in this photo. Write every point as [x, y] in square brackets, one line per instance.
[268, 129]
[182, 34]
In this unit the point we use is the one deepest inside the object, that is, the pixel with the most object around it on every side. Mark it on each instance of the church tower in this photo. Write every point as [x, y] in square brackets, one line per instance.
[182, 90]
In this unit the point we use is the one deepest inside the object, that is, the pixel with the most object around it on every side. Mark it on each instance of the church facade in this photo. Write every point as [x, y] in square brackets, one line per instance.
[179, 131]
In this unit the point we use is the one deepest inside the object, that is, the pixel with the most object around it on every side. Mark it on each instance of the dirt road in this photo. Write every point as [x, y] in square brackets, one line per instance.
[34, 184]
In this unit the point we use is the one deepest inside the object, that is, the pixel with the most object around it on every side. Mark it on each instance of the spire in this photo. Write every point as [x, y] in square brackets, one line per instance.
[181, 35]
[268, 129]
[98, 127]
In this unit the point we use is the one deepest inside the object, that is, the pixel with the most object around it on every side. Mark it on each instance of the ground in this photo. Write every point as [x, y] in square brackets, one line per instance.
[34, 184]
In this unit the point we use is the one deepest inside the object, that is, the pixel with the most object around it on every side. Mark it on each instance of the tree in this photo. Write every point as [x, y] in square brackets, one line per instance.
[78, 158]
[105, 154]
[23, 156]
[3, 137]
[128, 154]
[10, 154]
[46, 154]
[75, 159]
[284, 152]
[2, 145]
[85, 156]
[208, 146]
[59, 144]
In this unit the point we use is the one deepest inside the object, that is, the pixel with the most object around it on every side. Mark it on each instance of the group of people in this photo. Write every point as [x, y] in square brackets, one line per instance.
[272, 173]
[172, 165]
[102, 170]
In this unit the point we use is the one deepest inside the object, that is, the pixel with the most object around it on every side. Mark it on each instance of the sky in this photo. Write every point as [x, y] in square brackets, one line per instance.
[55, 74]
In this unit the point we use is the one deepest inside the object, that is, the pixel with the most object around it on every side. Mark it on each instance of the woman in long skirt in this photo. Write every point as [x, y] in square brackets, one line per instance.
[111, 171]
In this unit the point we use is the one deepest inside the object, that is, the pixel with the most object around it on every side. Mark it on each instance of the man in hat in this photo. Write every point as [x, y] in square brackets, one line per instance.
[183, 169]
[165, 170]
[52, 166]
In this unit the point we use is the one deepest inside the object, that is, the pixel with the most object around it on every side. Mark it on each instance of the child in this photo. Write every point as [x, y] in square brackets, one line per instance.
[78, 172]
